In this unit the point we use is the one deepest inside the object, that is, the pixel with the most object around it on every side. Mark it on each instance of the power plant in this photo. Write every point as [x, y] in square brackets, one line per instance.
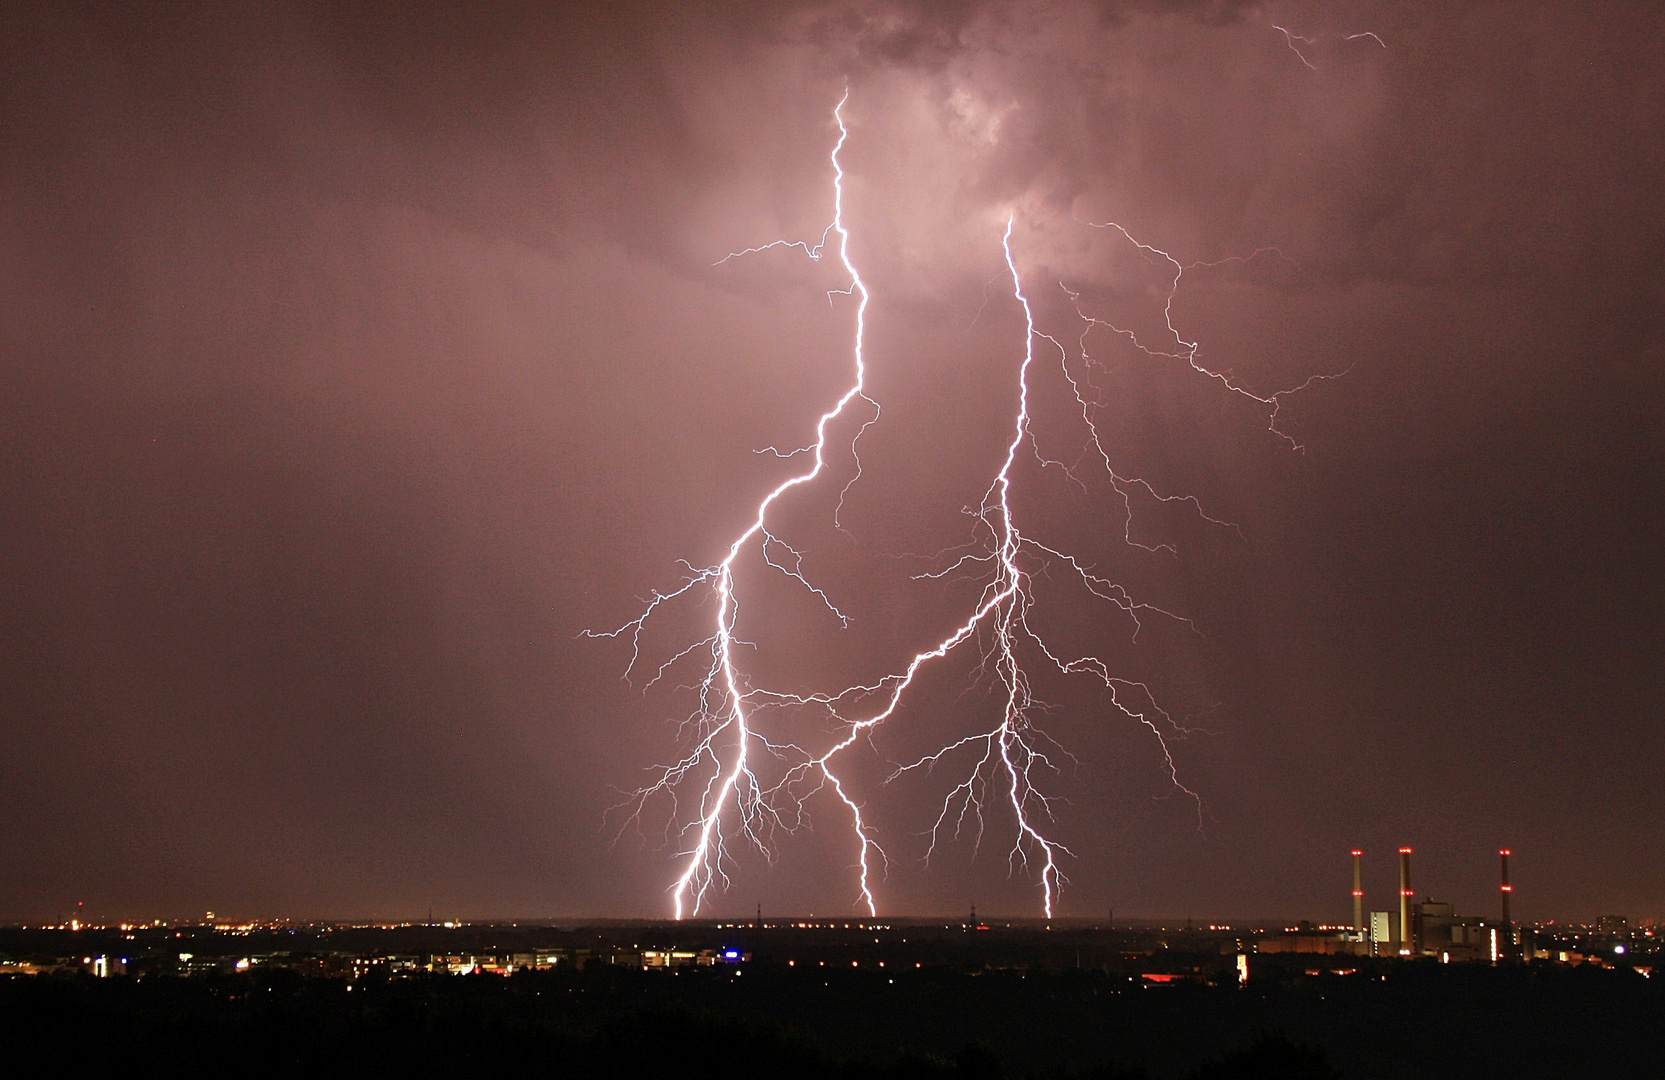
[1429, 928]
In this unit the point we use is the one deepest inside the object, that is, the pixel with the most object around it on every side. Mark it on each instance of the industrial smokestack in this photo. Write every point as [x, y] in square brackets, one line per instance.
[1503, 855]
[1404, 901]
[1358, 893]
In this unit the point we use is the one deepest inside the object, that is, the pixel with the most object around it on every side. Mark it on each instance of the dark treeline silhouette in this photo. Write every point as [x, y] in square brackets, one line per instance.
[614, 1022]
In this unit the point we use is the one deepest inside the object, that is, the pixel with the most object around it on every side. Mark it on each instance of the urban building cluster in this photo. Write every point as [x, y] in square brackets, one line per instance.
[1413, 930]
[354, 965]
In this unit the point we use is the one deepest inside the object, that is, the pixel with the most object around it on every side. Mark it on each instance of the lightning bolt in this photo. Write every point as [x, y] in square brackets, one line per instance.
[728, 720]
[1290, 38]
[734, 805]
[1188, 351]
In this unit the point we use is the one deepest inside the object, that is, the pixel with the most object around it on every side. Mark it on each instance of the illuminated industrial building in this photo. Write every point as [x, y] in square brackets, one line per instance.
[1432, 928]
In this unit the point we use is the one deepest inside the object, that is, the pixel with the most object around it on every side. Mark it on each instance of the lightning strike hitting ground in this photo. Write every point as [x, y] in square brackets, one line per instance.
[735, 805]
[735, 780]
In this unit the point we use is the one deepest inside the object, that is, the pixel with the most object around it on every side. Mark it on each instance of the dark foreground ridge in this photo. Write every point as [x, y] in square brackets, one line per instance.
[1023, 1002]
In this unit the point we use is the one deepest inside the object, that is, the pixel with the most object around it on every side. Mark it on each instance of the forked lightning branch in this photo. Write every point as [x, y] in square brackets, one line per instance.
[722, 796]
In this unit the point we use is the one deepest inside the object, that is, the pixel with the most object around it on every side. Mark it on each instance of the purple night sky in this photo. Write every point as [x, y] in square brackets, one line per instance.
[357, 358]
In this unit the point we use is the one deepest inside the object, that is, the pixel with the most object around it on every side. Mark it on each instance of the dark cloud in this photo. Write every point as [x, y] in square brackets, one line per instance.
[1219, 12]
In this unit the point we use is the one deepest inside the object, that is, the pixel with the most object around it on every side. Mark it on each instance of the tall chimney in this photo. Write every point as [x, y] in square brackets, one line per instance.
[1358, 894]
[1404, 901]
[1503, 855]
